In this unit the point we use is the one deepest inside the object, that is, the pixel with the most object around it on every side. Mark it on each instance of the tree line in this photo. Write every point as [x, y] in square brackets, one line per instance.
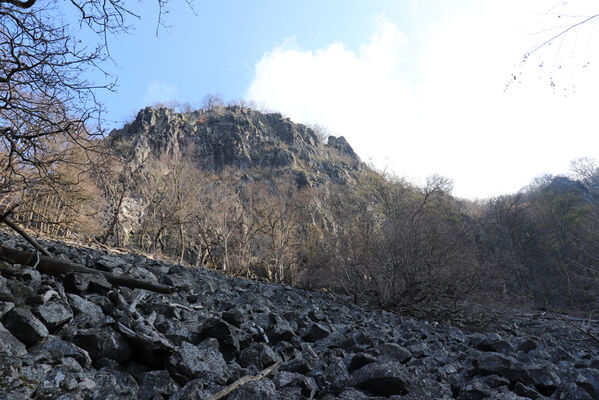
[384, 241]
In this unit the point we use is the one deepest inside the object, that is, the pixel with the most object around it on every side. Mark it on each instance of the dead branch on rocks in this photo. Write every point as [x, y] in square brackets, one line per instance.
[243, 380]
[586, 331]
[142, 329]
[55, 266]
[5, 218]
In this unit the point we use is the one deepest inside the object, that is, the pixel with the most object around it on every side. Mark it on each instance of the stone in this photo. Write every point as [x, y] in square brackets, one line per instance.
[25, 326]
[113, 385]
[255, 390]
[225, 333]
[496, 363]
[490, 342]
[259, 355]
[103, 343]
[53, 314]
[395, 352]
[381, 379]
[306, 384]
[80, 283]
[9, 344]
[5, 306]
[234, 317]
[316, 331]
[54, 350]
[543, 377]
[475, 390]
[93, 313]
[156, 383]
[203, 361]
[359, 360]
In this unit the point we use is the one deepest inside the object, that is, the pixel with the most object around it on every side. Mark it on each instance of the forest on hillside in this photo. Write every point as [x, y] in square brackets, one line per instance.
[384, 241]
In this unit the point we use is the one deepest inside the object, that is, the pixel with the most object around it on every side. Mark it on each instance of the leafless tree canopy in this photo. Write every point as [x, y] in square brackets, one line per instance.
[47, 107]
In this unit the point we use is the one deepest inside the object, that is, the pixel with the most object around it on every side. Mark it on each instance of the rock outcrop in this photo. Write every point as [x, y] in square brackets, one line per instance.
[77, 343]
[237, 137]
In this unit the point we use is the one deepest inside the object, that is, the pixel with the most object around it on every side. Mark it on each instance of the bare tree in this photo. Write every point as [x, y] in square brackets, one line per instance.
[45, 101]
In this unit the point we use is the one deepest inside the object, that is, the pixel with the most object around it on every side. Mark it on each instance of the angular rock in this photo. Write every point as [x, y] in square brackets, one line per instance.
[259, 355]
[103, 343]
[5, 306]
[496, 363]
[381, 379]
[395, 352]
[9, 344]
[203, 361]
[359, 360]
[306, 384]
[108, 384]
[80, 283]
[53, 314]
[316, 331]
[54, 350]
[156, 383]
[92, 312]
[24, 326]
[225, 333]
[261, 389]
[490, 342]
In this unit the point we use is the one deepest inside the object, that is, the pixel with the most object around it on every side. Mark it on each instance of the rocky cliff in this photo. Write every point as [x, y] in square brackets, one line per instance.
[237, 137]
[79, 337]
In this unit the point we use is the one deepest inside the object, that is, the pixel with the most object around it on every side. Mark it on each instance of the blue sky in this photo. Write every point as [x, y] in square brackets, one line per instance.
[416, 86]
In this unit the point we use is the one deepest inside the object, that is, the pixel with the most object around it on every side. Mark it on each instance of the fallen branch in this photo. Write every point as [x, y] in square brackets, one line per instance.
[26, 236]
[242, 381]
[55, 266]
[580, 328]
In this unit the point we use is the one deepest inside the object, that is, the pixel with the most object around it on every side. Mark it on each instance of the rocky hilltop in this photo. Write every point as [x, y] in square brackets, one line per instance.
[79, 337]
[237, 137]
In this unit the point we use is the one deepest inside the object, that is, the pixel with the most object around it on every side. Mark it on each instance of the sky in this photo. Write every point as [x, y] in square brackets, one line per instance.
[417, 87]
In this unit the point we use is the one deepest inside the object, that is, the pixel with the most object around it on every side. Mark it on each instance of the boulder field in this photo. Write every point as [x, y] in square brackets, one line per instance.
[79, 337]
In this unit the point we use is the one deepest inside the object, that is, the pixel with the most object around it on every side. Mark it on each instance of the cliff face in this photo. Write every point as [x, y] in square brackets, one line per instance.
[241, 138]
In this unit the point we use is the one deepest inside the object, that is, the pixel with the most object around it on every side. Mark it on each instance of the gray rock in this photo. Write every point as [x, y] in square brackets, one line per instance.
[381, 379]
[109, 384]
[54, 350]
[395, 352]
[10, 344]
[256, 390]
[82, 283]
[92, 311]
[359, 360]
[53, 314]
[5, 306]
[316, 331]
[103, 343]
[203, 361]
[24, 326]
[259, 355]
[225, 333]
[490, 342]
[157, 383]
[306, 384]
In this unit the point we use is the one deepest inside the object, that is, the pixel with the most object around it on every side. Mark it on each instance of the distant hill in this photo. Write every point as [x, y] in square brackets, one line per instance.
[263, 145]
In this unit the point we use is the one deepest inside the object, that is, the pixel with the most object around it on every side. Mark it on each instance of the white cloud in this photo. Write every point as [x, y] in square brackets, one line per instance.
[159, 92]
[456, 118]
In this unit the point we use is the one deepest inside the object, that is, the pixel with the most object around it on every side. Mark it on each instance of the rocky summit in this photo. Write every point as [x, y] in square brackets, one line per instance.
[77, 336]
[237, 137]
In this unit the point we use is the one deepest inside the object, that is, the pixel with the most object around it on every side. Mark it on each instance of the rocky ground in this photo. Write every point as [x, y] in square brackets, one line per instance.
[79, 337]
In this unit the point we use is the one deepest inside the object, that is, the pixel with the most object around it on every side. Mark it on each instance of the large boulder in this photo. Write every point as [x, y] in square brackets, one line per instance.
[203, 361]
[25, 326]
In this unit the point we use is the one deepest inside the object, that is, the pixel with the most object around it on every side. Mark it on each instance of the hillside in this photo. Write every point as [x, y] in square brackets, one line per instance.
[78, 336]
